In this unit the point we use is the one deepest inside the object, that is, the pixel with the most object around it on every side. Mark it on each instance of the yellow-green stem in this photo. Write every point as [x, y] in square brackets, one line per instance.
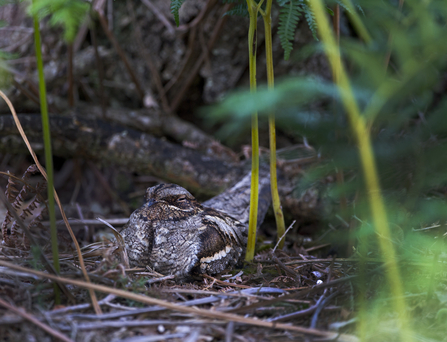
[357, 22]
[48, 152]
[360, 130]
[252, 224]
[279, 217]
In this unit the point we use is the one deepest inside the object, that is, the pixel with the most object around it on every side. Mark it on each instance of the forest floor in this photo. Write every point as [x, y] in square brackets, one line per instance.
[281, 295]
[143, 100]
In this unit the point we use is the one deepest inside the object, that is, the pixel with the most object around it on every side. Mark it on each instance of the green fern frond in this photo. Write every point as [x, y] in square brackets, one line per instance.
[310, 18]
[175, 7]
[288, 19]
[69, 14]
[342, 5]
[240, 10]
[359, 8]
[339, 2]
[282, 3]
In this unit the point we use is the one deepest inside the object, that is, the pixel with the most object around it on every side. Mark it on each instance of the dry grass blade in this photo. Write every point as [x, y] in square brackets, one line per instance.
[35, 321]
[120, 241]
[199, 312]
[221, 282]
[56, 197]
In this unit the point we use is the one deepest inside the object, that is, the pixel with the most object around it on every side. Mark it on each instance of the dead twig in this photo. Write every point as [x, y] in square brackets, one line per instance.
[112, 194]
[153, 301]
[336, 260]
[91, 222]
[34, 320]
[121, 53]
[192, 27]
[122, 245]
[208, 6]
[221, 282]
[72, 308]
[283, 236]
[320, 307]
[157, 280]
[25, 91]
[82, 32]
[70, 79]
[159, 15]
[137, 323]
[147, 56]
[229, 332]
[195, 69]
[291, 272]
[188, 54]
[33, 92]
[297, 294]
[238, 294]
[100, 67]
[300, 313]
[317, 247]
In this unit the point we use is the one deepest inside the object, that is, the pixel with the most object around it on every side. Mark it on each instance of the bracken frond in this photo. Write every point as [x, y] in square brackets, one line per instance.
[11, 190]
[339, 2]
[32, 169]
[11, 233]
[310, 18]
[359, 8]
[19, 198]
[68, 14]
[239, 10]
[288, 20]
[175, 8]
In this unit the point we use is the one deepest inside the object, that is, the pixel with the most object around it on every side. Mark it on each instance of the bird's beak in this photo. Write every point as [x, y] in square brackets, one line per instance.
[150, 202]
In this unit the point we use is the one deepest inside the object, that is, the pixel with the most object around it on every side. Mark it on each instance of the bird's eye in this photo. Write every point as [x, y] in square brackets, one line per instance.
[181, 199]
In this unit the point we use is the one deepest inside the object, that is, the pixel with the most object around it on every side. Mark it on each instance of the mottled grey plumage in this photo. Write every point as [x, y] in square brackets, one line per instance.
[235, 201]
[174, 234]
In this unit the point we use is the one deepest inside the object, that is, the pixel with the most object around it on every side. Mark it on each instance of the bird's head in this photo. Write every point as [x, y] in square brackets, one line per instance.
[171, 196]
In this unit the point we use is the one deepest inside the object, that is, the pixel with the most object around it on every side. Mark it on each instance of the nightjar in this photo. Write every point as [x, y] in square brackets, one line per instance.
[174, 234]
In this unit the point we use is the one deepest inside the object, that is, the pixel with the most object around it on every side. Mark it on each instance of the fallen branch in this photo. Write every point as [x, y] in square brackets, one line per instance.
[136, 151]
[100, 141]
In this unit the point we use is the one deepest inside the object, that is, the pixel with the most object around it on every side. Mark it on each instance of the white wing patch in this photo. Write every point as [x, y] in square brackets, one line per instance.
[217, 256]
[173, 207]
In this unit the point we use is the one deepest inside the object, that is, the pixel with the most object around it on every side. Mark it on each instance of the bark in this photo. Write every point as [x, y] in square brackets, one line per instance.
[112, 144]
[143, 153]
[155, 122]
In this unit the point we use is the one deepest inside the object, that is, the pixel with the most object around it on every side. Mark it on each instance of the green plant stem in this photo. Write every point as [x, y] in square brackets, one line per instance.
[362, 289]
[357, 22]
[362, 134]
[48, 152]
[279, 216]
[254, 193]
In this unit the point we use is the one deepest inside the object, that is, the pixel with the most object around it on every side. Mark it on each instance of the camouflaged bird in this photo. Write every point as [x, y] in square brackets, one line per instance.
[174, 234]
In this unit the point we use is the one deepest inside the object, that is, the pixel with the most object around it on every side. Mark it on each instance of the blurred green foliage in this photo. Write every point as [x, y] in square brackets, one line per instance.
[405, 105]
[66, 13]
